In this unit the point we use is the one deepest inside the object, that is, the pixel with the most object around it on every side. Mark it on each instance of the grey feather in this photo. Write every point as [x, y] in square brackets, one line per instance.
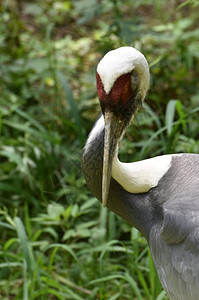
[174, 240]
[168, 216]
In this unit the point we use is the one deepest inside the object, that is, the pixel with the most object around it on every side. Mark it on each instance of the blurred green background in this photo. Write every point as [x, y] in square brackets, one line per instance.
[57, 242]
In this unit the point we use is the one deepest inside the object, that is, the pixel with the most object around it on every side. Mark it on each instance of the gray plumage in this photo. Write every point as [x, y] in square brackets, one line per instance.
[174, 240]
[168, 216]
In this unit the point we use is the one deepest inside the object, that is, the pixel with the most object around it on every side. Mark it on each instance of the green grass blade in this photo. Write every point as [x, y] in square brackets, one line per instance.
[73, 106]
[142, 280]
[73, 285]
[25, 283]
[0, 122]
[30, 119]
[161, 296]
[8, 226]
[150, 140]
[68, 249]
[134, 286]
[125, 277]
[24, 243]
[182, 117]
[10, 265]
[32, 131]
[170, 114]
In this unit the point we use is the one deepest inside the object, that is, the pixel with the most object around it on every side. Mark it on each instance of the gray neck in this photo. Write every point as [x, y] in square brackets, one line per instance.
[134, 208]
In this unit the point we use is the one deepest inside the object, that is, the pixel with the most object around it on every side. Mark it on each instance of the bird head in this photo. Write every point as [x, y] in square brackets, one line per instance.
[122, 82]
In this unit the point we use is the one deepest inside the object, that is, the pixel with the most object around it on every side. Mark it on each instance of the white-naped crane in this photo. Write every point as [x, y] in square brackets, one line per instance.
[159, 196]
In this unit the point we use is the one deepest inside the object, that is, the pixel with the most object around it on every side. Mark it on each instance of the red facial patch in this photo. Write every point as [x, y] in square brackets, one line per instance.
[121, 90]
[100, 88]
[119, 95]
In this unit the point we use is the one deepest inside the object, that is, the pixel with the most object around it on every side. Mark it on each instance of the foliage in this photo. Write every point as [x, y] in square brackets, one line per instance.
[57, 241]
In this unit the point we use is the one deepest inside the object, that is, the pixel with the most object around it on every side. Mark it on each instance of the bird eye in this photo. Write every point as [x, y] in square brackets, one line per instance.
[125, 89]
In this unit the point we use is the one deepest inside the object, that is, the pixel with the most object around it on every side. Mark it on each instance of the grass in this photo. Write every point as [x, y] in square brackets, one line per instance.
[57, 242]
[32, 262]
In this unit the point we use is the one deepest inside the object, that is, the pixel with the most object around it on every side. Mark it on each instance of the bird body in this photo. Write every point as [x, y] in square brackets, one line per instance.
[159, 196]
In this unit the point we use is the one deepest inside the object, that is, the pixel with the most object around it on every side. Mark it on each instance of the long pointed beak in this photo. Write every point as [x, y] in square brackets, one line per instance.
[112, 134]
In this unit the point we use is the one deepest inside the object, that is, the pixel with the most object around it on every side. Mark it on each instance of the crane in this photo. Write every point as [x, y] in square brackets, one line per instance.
[159, 196]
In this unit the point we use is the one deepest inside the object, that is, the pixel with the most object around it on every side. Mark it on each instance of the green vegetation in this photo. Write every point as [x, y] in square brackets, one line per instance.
[57, 242]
